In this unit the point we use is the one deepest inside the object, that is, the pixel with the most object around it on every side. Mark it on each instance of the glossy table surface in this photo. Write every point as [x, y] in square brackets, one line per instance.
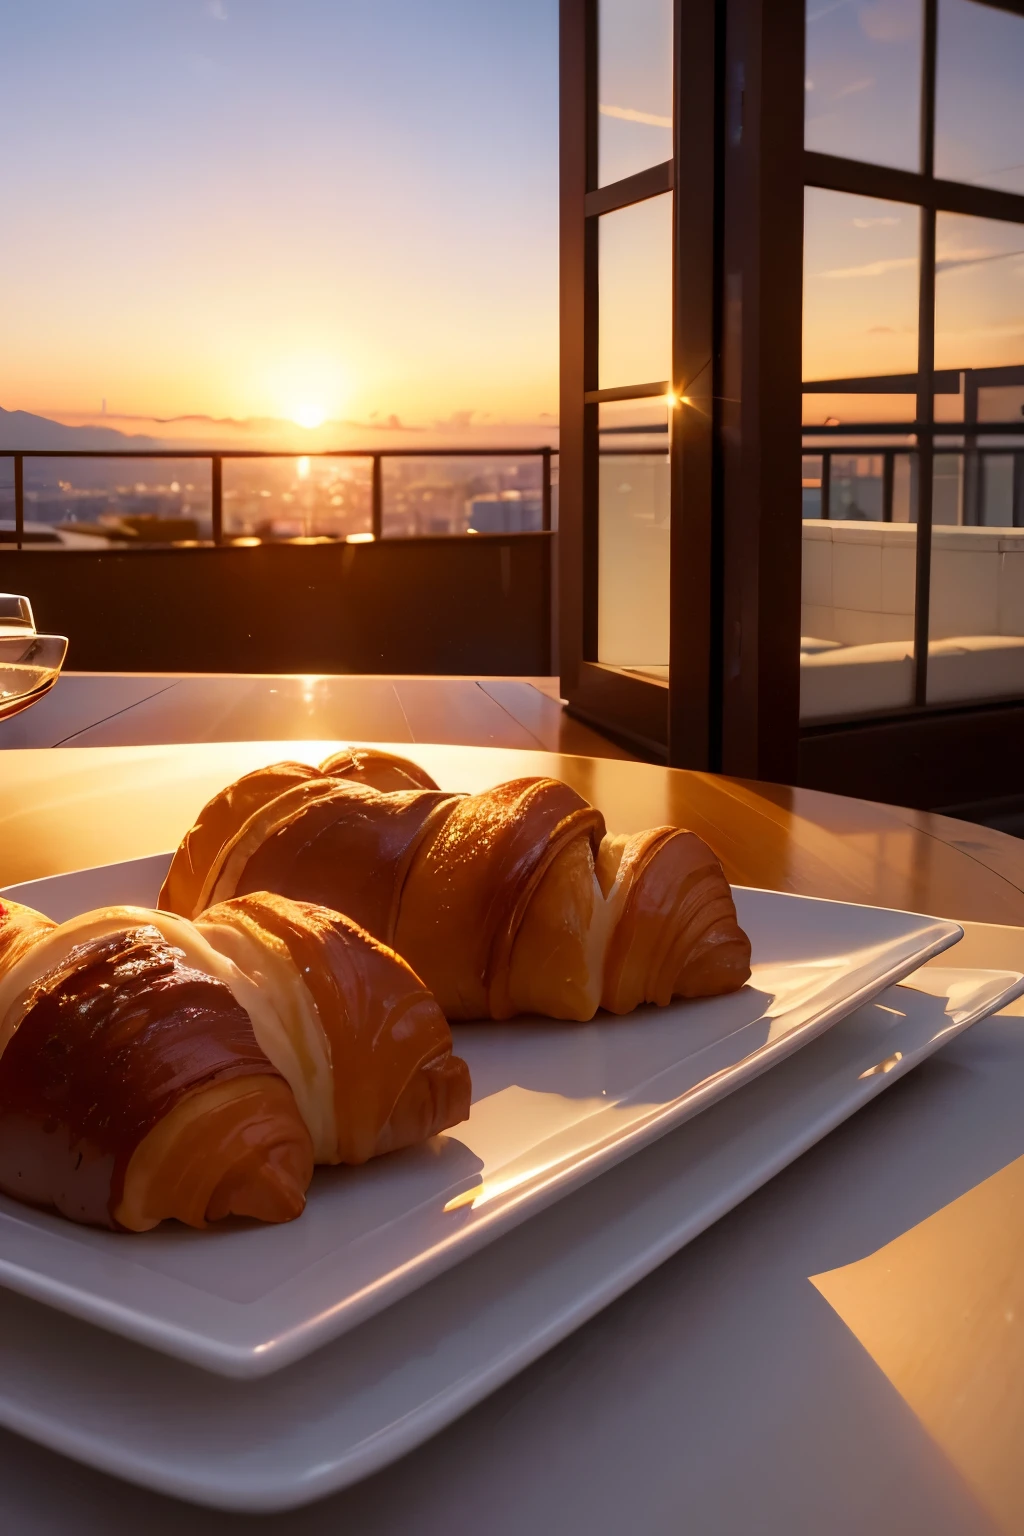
[64, 807]
[108, 709]
[840, 1354]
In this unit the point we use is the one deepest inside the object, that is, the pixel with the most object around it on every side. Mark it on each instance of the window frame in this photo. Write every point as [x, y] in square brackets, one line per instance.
[932, 195]
[670, 719]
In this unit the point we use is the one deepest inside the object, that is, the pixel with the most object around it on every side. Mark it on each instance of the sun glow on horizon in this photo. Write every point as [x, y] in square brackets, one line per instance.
[308, 388]
[309, 416]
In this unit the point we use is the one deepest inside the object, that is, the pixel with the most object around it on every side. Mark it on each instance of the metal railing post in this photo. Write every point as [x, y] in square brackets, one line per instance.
[888, 478]
[217, 497]
[826, 483]
[1018, 490]
[377, 498]
[19, 500]
[545, 503]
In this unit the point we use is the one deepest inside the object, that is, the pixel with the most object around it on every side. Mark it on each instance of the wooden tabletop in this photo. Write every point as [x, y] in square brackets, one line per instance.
[119, 709]
[836, 1355]
[64, 808]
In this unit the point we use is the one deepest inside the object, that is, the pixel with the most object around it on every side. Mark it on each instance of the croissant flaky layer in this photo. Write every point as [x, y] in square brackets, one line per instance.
[224, 816]
[369, 1050]
[153, 1068]
[507, 902]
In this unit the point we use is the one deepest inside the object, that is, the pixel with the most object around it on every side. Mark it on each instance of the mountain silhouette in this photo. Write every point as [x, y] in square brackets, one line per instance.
[21, 430]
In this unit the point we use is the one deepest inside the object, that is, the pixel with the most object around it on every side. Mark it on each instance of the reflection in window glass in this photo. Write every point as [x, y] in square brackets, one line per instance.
[860, 297]
[979, 122]
[831, 407]
[976, 609]
[979, 297]
[863, 81]
[1000, 474]
[635, 294]
[634, 87]
[633, 537]
[976, 606]
[859, 535]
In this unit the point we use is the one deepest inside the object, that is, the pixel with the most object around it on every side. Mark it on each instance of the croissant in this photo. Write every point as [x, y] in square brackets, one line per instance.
[224, 816]
[154, 1068]
[507, 902]
[132, 1086]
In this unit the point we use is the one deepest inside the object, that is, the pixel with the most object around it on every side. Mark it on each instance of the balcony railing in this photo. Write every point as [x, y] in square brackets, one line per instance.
[976, 442]
[375, 457]
[977, 461]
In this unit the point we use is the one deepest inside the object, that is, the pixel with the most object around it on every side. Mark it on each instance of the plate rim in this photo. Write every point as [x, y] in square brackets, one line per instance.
[291, 1489]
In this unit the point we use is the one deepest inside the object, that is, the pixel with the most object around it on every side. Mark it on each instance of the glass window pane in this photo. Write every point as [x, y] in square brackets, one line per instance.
[976, 609]
[861, 258]
[861, 262]
[634, 87]
[979, 106]
[633, 537]
[635, 294]
[863, 86]
[979, 302]
[302, 498]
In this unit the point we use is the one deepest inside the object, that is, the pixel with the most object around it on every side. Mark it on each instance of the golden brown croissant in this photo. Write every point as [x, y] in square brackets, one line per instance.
[132, 1086]
[511, 901]
[150, 1067]
[228, 811]
[365, 1047]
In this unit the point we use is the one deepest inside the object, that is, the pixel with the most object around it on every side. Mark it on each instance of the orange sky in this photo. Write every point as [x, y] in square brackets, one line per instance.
[311, 210]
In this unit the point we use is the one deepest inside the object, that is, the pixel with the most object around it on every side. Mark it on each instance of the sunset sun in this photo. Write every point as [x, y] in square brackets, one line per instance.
[309, 416]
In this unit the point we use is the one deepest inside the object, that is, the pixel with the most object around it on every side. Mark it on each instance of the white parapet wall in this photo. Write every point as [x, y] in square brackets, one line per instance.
[858, 616]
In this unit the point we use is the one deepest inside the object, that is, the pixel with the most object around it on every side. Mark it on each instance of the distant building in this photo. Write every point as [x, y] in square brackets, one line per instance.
[506, 512]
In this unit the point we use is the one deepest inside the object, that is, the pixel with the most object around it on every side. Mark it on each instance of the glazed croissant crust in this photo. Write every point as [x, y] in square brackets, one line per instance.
[151, 1067]
[227, 812]
[506, 902]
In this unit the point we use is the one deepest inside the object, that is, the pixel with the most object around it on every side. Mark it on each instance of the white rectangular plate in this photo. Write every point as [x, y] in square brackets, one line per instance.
[553, 1106]
[390, 1384]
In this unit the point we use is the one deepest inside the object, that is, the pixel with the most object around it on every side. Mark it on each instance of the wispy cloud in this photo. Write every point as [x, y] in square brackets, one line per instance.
[837, 5]
[217, 9]
[873, 223]
[975, 258]
[630, 115]
[855, 86]
[873, 268]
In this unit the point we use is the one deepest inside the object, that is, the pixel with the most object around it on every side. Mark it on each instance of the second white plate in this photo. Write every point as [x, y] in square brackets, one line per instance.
[370, 1397]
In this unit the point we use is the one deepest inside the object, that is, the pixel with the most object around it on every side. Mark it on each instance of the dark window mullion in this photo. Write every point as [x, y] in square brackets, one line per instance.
[926, 363]
[1014, 7]
[590, 549]
[628, 391]
[835, 173]
[652, 182]
[590, 67]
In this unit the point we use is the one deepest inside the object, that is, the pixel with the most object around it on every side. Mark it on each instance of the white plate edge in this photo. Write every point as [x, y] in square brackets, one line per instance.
[379, 1451]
